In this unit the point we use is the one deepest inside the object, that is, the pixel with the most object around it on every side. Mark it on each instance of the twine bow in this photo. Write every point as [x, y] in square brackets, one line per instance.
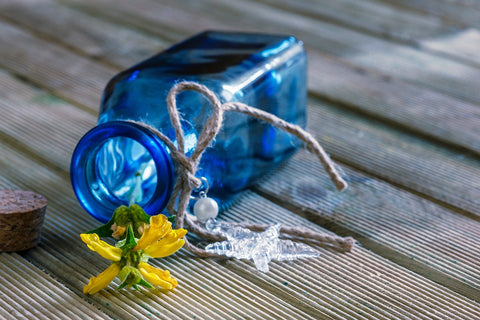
[187, 166]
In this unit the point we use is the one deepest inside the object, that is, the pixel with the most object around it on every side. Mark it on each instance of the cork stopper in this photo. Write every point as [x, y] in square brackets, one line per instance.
[21, 219]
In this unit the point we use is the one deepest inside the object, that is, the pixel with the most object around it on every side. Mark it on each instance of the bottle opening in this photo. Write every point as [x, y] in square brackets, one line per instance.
[125, 172]
[121, 163]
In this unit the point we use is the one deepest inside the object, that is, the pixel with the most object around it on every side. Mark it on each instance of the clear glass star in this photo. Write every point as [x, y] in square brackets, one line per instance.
[261, 247]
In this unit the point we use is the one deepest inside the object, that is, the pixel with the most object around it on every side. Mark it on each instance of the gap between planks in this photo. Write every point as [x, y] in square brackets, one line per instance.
[337, 134]
[71, 125]
[373, 94]
[404, 62]
[67, 143]
[349, 295]
[29, 292]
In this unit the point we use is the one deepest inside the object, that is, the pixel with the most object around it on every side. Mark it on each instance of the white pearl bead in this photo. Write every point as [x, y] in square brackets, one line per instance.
[205, 208]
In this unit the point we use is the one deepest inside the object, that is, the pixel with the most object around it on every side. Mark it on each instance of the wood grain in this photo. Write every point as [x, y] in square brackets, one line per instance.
[464, 12]
[112, 44]
[31, 293]
[428, 112]
[375, 17]
[393, 96]
[332, 286]
[463, 45]
[401, 158]
[405, 228]
[401, 61]
[368, 239]
[405, 62]
[348, 127]
[64, 73]
[380, 94]
[413, 108]
[27, 109]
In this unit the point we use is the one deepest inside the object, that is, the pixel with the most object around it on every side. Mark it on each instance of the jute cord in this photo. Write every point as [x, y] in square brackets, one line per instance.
[186, 167]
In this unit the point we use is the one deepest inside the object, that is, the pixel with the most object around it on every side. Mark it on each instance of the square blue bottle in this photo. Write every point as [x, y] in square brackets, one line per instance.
[262, 70]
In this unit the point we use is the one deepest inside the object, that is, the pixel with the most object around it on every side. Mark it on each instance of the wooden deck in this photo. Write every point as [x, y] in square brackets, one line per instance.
[394, 97]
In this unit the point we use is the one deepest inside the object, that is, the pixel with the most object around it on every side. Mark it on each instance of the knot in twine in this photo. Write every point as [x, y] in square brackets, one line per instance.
[187, 166]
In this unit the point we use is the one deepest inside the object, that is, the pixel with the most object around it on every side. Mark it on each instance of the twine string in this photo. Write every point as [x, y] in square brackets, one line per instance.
[311, 142]
[187, 166]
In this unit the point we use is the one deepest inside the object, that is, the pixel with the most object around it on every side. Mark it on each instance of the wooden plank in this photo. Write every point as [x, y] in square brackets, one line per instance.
[112, 44]
[249, 16]
[409, 230]
[195, 297]
[332, 286]
[366, 103]
[385, 20]
[463, 12]
[329, 119]
[431, 113]
[68, 119]
[176, 22]
[357, 286]
[370, 16]
[416, 66]
[57, 69]
[436, 115]
[450, 176]
[67, 143]
[438, 119]
[405, 165]
[26, 108]
[408, 63]
[371, 302]
[203, 293]
[62, 116]
[463, 45]
[41, 297]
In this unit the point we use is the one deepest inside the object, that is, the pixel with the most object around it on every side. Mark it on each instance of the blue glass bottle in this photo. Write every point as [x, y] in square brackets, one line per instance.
[264, 71]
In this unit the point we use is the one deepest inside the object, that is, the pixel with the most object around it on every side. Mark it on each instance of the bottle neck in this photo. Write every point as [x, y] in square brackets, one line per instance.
[119, 163]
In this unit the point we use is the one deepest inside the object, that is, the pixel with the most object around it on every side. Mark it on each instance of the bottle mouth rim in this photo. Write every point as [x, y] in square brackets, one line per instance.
[82, 168]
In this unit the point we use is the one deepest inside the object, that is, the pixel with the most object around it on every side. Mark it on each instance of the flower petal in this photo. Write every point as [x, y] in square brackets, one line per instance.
[96, 284]
[160, 250]
[159, 226]
[157, 276]
[101, 247]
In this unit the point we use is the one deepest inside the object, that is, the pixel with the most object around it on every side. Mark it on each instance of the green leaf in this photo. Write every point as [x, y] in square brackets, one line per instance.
[130, 241]
[123, 216]
[138, 214]
[122, 285]
[145, 284]
[104, 231]
[123, 276]
[133, 214]
[129, 276]
[172, 219]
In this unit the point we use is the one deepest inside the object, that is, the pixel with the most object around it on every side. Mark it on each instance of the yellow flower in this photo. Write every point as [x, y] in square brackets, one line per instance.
[130, 256]
[167, 245]
[101, 247]
[96, 284]
[158, 227]
[159, 240]
[157, 276]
